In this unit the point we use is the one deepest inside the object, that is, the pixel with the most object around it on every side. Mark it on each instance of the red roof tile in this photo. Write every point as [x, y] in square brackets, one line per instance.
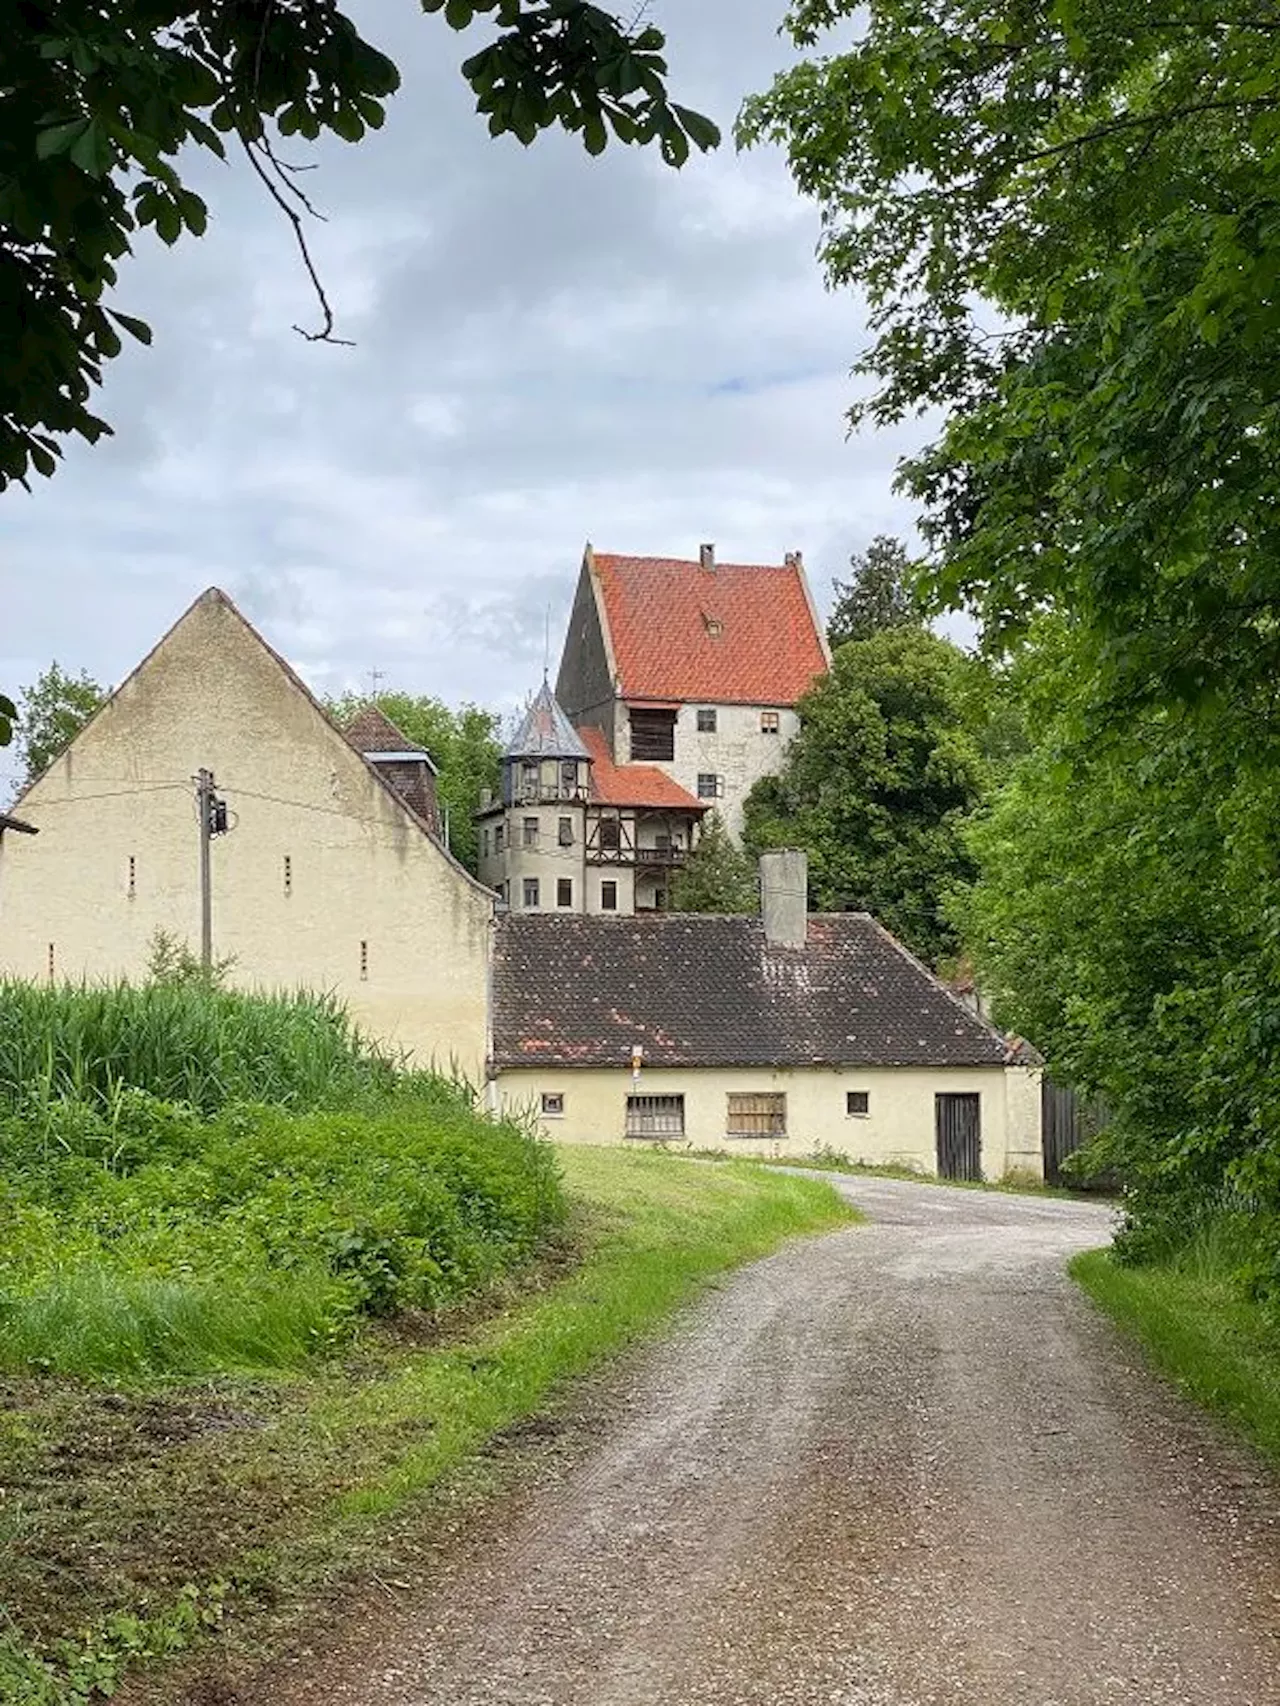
[737, 634]
[632, 784]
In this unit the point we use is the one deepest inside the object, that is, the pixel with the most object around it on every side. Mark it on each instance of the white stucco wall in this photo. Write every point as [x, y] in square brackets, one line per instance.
[738, 751]
[360, 870]
[899, 1127]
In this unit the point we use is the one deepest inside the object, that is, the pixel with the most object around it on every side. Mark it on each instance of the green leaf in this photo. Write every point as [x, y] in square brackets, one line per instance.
[59, 138]
[136, 328]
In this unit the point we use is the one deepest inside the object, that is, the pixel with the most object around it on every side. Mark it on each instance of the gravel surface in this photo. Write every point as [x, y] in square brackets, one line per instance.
[902, 1465]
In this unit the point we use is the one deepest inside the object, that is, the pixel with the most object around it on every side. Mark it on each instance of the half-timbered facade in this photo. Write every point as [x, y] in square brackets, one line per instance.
[573, 832]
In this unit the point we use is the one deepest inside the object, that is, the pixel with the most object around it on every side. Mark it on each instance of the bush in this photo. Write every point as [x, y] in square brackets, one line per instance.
[138, 1239]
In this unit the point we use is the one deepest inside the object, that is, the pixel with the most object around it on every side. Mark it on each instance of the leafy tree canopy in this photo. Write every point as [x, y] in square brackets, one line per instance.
[464, 744]
[52, 711]
[1066, 221]
[879, 594]
[717, 876]
[104, 103]
[878, 783]
[1125, 919]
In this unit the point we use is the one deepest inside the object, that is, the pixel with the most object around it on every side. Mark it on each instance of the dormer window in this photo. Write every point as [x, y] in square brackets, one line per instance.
[529, 782]
[569, 779]
[713, 625]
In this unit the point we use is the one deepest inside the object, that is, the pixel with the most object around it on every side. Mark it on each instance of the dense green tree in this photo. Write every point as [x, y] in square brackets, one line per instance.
[878, 783]
[1126, 919]
[51, 712]
[464, 744]
[104, 105]
[1064, 220]
[717, 876]
[879, 594]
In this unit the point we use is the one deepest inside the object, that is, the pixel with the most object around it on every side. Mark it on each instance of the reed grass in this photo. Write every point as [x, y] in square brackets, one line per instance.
[189, 1043]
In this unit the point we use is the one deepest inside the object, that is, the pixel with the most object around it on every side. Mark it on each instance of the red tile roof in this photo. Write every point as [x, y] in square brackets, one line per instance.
[632, 784]
[740, 633]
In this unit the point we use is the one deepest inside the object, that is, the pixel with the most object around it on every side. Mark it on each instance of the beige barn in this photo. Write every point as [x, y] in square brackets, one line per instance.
[774, 1035]
[330, 875]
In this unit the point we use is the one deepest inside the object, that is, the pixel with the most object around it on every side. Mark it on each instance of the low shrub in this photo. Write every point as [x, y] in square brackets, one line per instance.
[138, 1239]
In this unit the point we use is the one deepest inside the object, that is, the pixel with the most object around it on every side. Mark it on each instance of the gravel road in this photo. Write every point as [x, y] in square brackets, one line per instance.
[902, 1465]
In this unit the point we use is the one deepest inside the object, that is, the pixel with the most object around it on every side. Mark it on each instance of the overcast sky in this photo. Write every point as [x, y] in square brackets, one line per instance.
[549, 349]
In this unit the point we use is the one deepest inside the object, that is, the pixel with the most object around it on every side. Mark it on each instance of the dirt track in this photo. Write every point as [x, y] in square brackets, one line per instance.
[904, 1465]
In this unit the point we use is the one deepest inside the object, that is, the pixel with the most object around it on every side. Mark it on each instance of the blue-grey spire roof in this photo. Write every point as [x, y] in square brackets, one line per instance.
[546, 732]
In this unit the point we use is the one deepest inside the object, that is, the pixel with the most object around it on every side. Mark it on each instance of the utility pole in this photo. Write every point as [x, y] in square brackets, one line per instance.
[204, 811]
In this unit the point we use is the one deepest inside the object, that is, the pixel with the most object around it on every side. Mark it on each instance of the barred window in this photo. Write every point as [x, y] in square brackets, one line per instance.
[655, 1116]
[710, 787]
[761, 1114]
[706, 722]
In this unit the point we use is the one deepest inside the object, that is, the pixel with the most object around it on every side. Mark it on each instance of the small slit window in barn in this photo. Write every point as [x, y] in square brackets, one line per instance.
[553, 1104]
[760, 1114]
[857, 1103]
[655, 1116]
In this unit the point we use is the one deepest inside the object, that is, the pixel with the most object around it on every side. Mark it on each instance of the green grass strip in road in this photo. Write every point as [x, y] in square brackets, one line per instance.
[1200, 1329]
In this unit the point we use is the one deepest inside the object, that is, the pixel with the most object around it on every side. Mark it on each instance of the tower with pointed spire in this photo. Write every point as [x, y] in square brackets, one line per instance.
[575, 832]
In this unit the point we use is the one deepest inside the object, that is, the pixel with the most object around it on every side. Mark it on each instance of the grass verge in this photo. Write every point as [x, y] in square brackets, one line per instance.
[1200, 1329]
[1016, 1183]
[140, 1520]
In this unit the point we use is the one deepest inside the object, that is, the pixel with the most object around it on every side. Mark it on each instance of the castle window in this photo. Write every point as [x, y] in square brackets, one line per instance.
[530, 893]
[497, 838]
[770, 722]
[484, 842]
[710, 787]
[530, 782]
[566, 832]
[531, 832]
[564, 891]
[610, 834]
[653, 736]
[706, 722]
[608, 897]
[569, 778]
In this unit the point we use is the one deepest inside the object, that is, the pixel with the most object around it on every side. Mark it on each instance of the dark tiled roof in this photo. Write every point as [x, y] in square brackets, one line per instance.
[695, 990]
[371, 730]
[546, 732]
[740, 633]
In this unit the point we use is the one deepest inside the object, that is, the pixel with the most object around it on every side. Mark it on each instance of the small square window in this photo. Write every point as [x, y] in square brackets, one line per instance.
[710, 787]
[564, 891]
[566, 832]
[608, 897]
[530, 892]
[531, 832]
[857, 1103]
[706, 722]
[770, 722]
[553, 1104]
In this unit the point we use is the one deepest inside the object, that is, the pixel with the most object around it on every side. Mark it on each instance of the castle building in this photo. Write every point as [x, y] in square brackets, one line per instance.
[573, 832]
[694, 668]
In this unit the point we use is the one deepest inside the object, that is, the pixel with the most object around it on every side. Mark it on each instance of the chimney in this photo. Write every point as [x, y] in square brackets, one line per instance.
[707, 557]
[794, 560]
[784, 897]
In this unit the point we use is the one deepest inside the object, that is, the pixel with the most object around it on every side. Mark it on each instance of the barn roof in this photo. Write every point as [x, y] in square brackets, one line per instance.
[698, 990]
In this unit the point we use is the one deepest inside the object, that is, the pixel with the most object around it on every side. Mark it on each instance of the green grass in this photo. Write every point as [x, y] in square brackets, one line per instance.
[146, 1515]
[187, 1042]
[1199, 1328]
[1016, 1183]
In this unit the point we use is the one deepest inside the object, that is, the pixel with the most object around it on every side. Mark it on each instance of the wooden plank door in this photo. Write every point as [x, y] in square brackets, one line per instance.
[958, 1124]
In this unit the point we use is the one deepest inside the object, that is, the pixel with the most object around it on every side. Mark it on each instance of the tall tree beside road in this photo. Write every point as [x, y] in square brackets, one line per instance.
[1063, 218]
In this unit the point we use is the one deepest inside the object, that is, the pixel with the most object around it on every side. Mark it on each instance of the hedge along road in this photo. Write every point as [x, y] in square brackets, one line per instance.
[901, 1465]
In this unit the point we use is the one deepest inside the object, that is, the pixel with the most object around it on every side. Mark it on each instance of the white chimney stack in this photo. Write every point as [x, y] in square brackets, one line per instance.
[707, 557]
[784, 896]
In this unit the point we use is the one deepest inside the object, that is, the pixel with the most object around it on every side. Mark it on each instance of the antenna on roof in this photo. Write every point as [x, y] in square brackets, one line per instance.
[546, 646]
[376, 679]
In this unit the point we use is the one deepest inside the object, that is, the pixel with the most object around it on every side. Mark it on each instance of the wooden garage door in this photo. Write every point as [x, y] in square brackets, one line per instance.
[958, 1121]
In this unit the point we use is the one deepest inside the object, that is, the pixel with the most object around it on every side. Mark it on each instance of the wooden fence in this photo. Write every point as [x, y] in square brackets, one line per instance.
[1067, 1123]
